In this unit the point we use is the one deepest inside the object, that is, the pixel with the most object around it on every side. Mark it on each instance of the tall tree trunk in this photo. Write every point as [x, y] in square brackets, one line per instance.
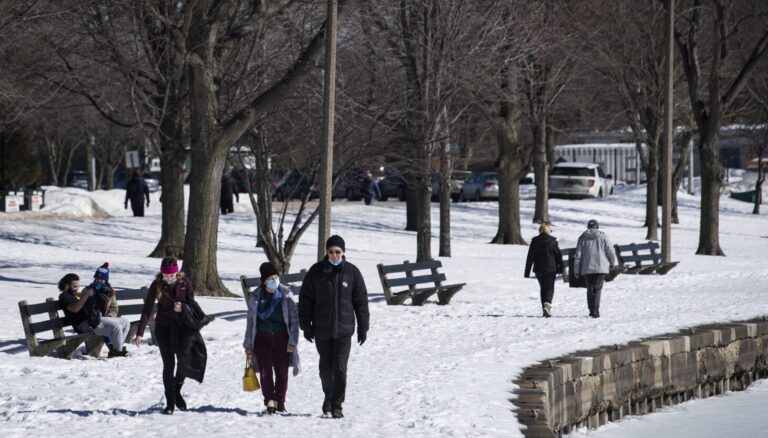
[510, 167]
[201, 242]
[172, 198]
[711, 180]
[411, 201]
[540, 168]
[759, 181]
[424, 206]
[445, 190]
[652, 191]
[679, 173]
[208, 154]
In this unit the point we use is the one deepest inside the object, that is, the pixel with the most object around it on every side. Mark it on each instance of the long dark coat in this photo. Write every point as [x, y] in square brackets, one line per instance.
[544, 256]
[136, 191]
[191, 350]
[331, 298]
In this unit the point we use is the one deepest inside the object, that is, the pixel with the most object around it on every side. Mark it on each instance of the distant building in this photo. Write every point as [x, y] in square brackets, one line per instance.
[617, 159]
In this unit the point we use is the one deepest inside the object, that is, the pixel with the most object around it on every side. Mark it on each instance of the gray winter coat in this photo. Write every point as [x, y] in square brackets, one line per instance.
[594, 253]
[291, 317]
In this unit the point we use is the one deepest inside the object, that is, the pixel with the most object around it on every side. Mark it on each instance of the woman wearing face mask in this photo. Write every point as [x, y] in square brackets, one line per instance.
[169, 289]
[271, 335]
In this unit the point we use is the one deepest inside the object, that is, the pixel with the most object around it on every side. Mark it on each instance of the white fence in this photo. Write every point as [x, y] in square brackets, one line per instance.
[618, 159]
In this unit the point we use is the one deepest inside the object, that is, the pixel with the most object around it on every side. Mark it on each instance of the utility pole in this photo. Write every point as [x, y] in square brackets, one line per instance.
[329, 101]
[666, 178]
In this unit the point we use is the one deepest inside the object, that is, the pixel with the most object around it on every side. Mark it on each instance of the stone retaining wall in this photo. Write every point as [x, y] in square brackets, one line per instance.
[590, 388]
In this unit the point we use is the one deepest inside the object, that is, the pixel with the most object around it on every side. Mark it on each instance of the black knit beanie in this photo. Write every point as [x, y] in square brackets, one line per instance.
[267, 269]
[335, 240]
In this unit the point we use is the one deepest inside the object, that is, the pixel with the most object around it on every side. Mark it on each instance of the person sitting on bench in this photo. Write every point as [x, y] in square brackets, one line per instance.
[83, 313]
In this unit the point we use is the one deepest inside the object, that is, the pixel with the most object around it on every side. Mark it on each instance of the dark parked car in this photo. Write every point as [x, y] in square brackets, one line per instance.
[393, 186]
[348, 188]
[295, 185]
[78, 178]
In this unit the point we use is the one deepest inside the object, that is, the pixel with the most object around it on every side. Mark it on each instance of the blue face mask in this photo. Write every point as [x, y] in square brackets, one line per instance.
[273, 284]
[336, 263]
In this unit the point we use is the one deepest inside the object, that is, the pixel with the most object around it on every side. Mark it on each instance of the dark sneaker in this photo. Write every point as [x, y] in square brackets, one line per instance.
[326, 407]
[168, 410]
[271, 407]
[115, 353]
[281, 407]
[337, 413]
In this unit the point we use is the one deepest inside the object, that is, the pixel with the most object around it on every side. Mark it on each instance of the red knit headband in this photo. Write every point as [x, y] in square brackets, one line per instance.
[171, 269]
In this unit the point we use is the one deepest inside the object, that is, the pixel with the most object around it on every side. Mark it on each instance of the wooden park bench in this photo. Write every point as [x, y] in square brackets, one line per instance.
[406, 277]
[45, 317]
[293, 281]
[567, 254]
[642, 258]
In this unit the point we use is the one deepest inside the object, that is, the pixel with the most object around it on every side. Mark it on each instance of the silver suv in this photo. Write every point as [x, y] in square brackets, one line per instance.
[579, 180]
[480, 186]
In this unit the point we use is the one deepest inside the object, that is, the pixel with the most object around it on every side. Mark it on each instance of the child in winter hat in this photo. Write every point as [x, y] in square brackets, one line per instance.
[102, 272]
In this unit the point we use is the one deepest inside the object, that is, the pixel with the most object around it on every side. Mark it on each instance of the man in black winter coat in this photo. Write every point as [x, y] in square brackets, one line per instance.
[136, 191]
[228, 190]
[332, 297]
[547, 261]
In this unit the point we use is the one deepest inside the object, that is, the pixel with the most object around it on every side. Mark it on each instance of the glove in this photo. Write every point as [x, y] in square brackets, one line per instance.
[126, 206]
[147, 204]
[361, 336]
[309, 334]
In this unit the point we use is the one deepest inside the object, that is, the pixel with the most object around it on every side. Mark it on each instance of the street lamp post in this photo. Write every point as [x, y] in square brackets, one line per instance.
[329, 100]
[666, 202]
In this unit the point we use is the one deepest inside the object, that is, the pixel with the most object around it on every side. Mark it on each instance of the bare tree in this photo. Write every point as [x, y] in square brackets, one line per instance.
[225, 40]
[720, 25]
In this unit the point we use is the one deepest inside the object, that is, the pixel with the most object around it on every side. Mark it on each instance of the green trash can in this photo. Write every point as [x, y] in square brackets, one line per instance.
[9, 201]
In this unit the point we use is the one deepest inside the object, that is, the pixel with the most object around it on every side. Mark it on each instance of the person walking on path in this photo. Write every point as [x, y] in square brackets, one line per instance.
[136, 191]
[332, 297]
[594, 259]
[271, 335]
[369, 189]
[228, 191]
[170, 289]
[546, 260]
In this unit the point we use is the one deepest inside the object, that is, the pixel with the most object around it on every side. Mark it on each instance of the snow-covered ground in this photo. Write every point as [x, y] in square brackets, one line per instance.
[424, 371]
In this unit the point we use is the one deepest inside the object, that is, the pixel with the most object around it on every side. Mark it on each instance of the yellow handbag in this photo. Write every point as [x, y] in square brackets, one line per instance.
[250, 381]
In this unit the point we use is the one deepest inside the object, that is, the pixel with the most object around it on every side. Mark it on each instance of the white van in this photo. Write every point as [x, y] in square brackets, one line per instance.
[579, 180]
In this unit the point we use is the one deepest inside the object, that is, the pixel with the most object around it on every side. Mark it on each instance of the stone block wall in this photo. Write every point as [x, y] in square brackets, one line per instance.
[590, 388]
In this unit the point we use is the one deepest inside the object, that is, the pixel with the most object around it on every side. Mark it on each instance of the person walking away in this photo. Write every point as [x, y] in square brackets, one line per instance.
[332, 297]
[369, 189]
[228, 190]
[84, 313]
[136, 191]
[170, 289]
[594, 259]
[546, 260]
[271, 335]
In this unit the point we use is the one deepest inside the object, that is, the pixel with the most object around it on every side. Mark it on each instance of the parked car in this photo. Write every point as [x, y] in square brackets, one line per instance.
[78, 178]
[458, 177]
[295, 185]
[480, 186]
[579, 180]
[393, 186]
[348, 188]
[152, 183]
